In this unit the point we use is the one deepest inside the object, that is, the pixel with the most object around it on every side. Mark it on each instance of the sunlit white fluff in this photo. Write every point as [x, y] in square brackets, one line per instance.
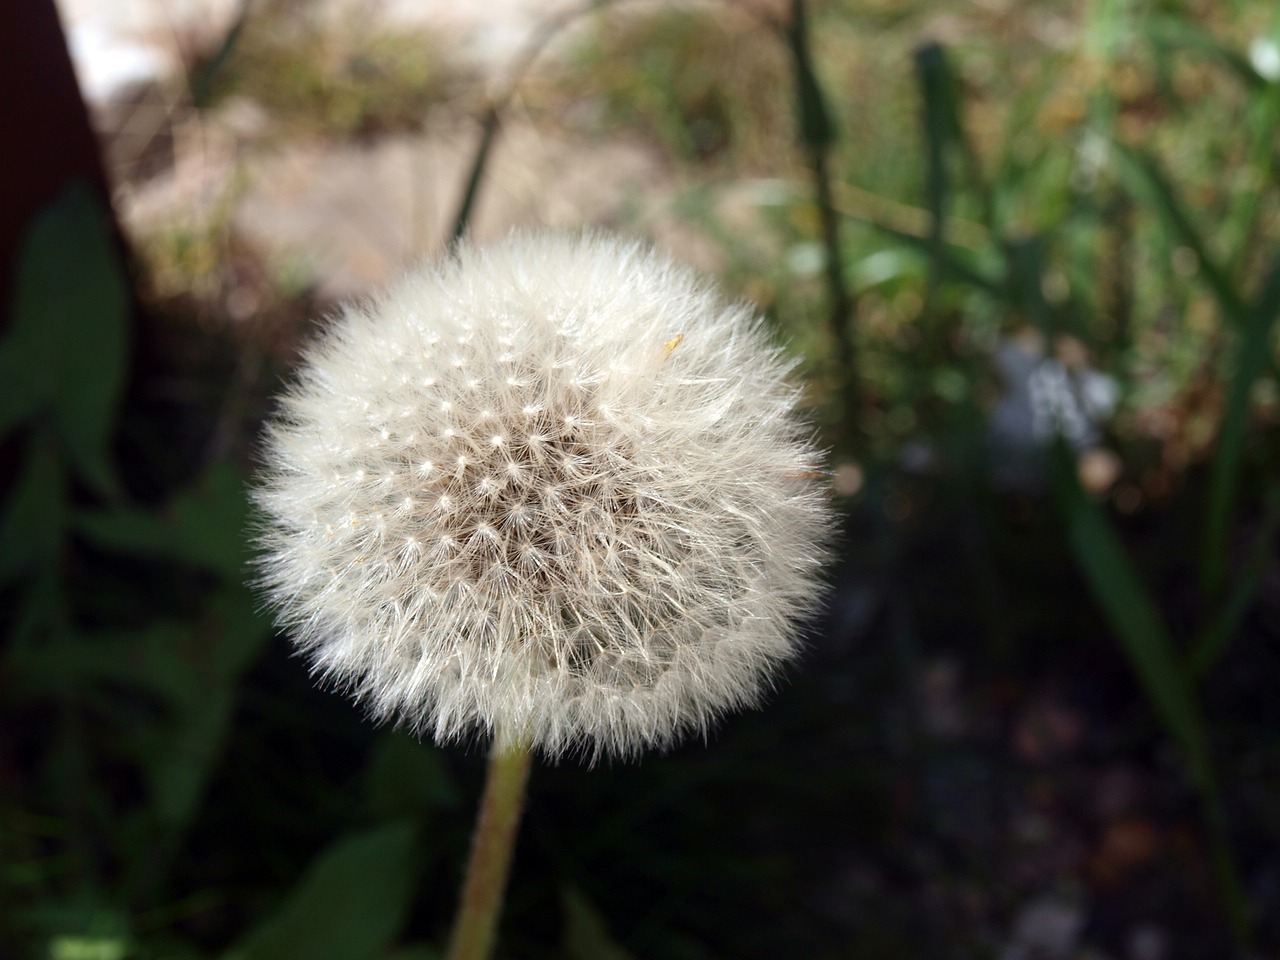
[555, 489]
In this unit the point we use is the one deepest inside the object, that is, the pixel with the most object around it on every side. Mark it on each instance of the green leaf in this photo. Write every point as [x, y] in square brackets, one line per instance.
[1145, 640]
[1133, 617]
[1215, 635]
[1147, 182]
[210, 521]
[204, 526]
[88, 948]
[22, 394]
[150, 660]
[407, 779]
[953, 262]
[81, 927]
[33, 521]
[1246, 222]
[177, 747]
[67, 347]
[235, 630]
[1108, 25]
[181, 758]
[586, 935]
[39, 615]
[885, 267]
[351, 905]
[1253, 354]
[182, 663]
[1176, 33]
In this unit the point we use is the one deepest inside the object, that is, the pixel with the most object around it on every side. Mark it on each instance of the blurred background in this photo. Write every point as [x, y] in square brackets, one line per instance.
[1028, 252]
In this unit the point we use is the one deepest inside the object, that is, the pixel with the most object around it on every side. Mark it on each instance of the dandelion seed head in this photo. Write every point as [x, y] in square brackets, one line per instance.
[601, 545]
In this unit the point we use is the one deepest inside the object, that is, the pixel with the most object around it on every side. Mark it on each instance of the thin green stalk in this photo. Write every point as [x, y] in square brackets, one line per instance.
[499, 102]
[491, 849]
[1213, 639]
[1253, 353]
[201, 81]
[1231, 891]
[817, 135]
[488, 131]
[1144, 637]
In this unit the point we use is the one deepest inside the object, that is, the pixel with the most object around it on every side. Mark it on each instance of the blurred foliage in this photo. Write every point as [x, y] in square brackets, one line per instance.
[1059, 685]
[316, 76]
[706, 84]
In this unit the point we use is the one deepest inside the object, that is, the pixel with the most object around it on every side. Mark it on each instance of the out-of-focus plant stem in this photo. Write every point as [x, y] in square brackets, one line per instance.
[488, 132]
[498, 102]
[817, 136]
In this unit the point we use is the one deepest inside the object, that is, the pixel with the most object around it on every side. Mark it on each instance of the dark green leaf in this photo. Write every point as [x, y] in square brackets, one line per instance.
[41, 613]
[475, 175]
[67, 347]
[181, 663]
[586, 935]
[1133, 617]
[151, 660]
[180, 766]
[1142, 634]
[1253, 354]
[954, 265]
[351, 904]
[22, 394]
[235, 630]
[204, 526]
[33, 521]
[946, 140]
[1214, 638]
[1144, 178]
[406, 779]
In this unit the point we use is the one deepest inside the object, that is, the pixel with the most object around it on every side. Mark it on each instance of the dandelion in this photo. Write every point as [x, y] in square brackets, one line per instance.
[555, 491]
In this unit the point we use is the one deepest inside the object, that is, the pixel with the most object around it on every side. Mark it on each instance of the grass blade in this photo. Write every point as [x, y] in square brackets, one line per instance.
[1175, 34]
[1133, 617]
[1144, 178]
[1213, 639]
[1142, 633]
[955, 266]
[475, 173]
[351, 904]
[1252, 356]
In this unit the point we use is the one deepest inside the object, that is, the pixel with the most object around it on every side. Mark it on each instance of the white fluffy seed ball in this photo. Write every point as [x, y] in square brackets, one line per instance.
[556, 490]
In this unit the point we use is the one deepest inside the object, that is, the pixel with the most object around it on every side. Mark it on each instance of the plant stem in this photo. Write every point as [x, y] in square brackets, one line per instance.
[488, 131]
[817, 136]
[491, 849]
[1235, 901]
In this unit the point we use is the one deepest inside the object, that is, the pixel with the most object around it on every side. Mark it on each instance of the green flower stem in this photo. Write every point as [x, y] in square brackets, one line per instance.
[491, 849]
